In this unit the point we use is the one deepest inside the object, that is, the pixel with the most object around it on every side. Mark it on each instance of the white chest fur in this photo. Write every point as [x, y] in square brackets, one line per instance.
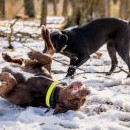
[26, 75]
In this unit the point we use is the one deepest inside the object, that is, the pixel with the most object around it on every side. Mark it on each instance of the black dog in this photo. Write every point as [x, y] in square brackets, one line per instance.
[80, 43]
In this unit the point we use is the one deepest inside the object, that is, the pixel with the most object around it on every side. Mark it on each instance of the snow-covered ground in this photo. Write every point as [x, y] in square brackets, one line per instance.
[107, 107]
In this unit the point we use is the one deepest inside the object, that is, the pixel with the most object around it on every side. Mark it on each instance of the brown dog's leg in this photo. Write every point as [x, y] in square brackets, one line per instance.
[31, 63]
[20, 61]
[8, 58]
[41, 59]
[46, 36]
[8, 83]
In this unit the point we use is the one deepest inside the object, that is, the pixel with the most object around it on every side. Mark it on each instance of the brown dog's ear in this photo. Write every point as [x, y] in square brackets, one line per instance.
[59, 109]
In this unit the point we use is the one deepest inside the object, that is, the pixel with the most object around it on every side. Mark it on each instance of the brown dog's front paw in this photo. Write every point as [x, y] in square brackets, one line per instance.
[33, 54]
[6, 57]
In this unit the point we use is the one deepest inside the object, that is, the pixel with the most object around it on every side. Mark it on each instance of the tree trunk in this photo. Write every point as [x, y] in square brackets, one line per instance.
[104, 8]
[84, 11]
[29, 8]
[126, 10]
[65, 8]
[43, 12]
[2, 8]
[77, 11]
[107, 8]
[55, 7]
[72, 2]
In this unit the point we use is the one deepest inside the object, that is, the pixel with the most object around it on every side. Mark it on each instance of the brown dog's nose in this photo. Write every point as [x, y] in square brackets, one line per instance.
[75, 85]
[84, 92]
[88, 92]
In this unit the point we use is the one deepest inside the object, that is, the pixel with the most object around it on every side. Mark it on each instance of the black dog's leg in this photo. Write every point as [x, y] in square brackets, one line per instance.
[72, 68]
[112, 53]
[124, 54]
[122, 43]
[74, 64]
[125, 57]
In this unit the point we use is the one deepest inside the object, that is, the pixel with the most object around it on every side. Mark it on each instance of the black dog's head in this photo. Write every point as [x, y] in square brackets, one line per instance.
[59, 40]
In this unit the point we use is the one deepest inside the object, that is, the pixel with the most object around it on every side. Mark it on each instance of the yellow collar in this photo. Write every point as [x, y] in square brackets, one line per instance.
[49, 92]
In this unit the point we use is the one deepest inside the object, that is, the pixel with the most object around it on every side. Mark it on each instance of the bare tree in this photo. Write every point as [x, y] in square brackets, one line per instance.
[107, 7]
[65, 7]
[84, 11]
[77, 11]
[43, 12]
[104, 8]
[55, 6]
[125, 9]
[29, 8]
[2, 8]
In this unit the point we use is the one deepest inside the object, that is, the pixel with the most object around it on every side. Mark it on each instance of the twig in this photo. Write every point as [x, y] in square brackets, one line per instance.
[80, 68]
[28, 47]
[123, 70]
[19, 34]
[11, 33]
[84, 71]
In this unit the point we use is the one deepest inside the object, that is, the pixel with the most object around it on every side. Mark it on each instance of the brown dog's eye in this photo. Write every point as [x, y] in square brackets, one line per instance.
[74, 102]
[83, 100]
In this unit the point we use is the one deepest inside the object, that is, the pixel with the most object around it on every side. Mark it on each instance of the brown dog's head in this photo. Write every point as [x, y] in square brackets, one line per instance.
[71, 97]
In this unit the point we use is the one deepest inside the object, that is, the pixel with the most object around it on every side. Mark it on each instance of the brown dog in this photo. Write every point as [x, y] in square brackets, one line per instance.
[29, 83]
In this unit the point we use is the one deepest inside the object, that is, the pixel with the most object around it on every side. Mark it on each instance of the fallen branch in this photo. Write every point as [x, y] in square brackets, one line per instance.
[9, 36]
[123, 70]
[19, 35]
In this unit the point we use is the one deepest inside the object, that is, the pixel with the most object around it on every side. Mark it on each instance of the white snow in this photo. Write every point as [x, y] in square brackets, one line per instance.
[18, 70]
[107, 107]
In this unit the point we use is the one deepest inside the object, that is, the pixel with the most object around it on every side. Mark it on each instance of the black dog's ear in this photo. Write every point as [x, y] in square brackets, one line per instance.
[63, 38]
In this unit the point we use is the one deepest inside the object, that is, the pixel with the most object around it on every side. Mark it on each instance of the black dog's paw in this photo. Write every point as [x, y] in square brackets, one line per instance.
[128, 76]
[108, 73]
[71, 77]
[71, 71]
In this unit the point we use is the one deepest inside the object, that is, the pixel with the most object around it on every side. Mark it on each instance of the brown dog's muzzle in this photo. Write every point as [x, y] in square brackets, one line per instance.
[73, 97]
[77, 90]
